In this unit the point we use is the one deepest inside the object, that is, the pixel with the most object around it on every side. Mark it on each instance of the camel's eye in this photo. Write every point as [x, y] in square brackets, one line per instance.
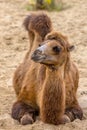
[57, 49]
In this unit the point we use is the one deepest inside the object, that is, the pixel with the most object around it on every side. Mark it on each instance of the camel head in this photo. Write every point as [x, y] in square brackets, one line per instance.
[53, 51]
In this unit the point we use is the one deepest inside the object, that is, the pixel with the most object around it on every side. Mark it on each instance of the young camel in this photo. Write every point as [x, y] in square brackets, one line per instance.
[49, 88]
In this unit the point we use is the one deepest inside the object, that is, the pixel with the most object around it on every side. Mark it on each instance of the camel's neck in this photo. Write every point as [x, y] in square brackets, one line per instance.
[53, 97]
[55, 71]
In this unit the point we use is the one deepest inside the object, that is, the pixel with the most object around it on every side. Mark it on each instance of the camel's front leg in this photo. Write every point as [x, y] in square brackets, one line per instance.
[24, 113]
[74, 111]
[24, 109]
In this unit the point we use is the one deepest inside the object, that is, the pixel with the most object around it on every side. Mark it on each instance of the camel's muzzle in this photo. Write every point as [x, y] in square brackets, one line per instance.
[37, 56]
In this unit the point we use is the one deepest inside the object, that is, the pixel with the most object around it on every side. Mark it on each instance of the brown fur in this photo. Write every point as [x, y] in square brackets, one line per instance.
[37, 25]
[49, 87]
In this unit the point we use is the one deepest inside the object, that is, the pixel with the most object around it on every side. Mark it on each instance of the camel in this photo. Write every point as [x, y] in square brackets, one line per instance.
[46, 82]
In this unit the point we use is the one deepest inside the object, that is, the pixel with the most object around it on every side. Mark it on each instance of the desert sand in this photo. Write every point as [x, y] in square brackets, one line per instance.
[13, 47]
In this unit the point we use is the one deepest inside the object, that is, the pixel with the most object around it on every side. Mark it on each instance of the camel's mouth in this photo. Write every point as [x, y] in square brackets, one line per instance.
[38, 58]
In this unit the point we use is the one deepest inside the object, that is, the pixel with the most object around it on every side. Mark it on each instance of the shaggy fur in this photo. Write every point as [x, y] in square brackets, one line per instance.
[37, 25]
[48, 87]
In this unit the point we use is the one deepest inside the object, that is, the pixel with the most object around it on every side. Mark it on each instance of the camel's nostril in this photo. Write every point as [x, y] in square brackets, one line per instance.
[37, 52]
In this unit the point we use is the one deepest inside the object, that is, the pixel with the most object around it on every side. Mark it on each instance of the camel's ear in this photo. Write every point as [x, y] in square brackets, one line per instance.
[71, 48]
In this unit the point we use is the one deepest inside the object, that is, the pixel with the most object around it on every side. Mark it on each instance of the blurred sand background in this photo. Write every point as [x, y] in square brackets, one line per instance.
[13, 47]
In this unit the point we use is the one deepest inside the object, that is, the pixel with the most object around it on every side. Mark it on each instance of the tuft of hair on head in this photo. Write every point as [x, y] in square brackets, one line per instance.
[54, 35]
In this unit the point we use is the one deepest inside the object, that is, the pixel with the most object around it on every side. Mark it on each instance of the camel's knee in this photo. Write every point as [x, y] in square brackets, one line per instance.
[74, 113]
[23, 113]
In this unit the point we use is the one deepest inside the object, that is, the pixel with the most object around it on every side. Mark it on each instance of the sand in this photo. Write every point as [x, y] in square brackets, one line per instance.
[13, 47]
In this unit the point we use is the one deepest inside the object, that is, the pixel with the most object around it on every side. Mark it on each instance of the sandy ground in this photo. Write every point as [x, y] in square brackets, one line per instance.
[14, 44]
